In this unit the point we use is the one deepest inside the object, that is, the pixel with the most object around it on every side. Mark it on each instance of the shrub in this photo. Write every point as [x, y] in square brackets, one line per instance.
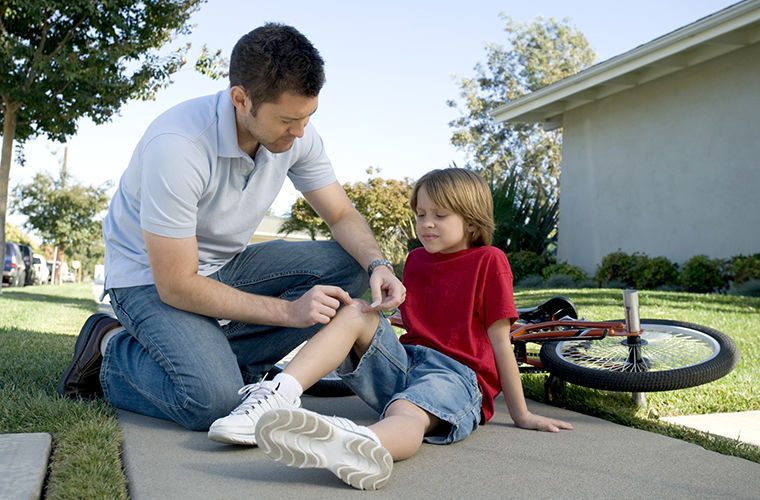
[574, 272]
[702, 274]
[525, 263]
[654, 273]
[745, 268]
[526, 218]
[560, 281]
[531, 281]
[617, 267]
[750, 288]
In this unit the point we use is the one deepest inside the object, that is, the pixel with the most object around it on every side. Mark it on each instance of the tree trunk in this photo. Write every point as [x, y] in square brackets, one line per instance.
[56, 267]
[9, 134]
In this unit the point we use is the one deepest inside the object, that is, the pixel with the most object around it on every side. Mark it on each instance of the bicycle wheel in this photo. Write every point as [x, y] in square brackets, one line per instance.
[672, 355]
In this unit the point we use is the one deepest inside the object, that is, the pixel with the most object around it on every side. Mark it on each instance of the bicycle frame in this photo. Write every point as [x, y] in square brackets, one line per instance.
[559, 330]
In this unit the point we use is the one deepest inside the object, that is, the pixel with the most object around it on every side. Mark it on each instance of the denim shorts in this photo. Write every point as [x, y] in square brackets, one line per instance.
[438, 384]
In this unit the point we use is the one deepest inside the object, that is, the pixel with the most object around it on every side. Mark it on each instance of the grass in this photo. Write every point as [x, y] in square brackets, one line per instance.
[739, 317]
[38, 326]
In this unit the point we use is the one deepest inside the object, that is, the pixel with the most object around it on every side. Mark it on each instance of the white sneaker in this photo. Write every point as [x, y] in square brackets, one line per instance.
[239, 427]
[302, 438]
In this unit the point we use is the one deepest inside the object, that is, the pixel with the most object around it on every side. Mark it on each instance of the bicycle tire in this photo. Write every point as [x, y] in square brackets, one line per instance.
[329, 386]
[678, 355]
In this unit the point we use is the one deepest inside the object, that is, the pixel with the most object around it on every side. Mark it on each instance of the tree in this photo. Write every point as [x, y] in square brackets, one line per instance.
[536, 55]
[66, 215]
[383, 202]
[14, 233]
[67, 59]
[303, 218]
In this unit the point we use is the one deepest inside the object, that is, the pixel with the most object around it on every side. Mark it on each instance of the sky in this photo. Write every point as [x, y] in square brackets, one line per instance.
[391, 67]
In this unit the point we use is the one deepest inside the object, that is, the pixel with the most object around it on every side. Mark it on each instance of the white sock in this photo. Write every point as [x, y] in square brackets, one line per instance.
[108, 336]
[289, 386]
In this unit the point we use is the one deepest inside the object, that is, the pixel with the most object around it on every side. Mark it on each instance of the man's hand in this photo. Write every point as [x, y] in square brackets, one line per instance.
[318, 305]
[387, 291]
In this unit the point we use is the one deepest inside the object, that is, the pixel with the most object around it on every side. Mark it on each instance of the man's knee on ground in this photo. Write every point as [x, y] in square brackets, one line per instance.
[211, 401]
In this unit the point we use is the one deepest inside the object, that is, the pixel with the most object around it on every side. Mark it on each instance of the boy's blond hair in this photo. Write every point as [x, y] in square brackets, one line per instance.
[465, 193]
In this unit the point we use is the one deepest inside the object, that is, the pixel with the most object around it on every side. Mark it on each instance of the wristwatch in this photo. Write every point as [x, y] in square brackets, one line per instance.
[379, 262]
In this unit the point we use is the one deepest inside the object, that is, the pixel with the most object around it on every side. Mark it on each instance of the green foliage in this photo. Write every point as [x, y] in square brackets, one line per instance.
[702, 274]
[617, 267]
[525, 263]
[535, 55]
[745, 268]
[575, 273]
[303, 218]
[750, 288]
[523, 221]
[65, 214]
[530, 281]
[654, 273]
[66, 59]
[560, 280]
[13, 233]
[214, 66]
[63, 60]
[384, 203]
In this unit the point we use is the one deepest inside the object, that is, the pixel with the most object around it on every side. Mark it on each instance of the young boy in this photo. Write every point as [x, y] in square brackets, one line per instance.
[435, 383]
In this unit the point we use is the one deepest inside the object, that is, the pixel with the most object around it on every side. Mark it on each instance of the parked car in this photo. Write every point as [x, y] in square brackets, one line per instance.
[41, 271]
[14, 272]
[26, 254]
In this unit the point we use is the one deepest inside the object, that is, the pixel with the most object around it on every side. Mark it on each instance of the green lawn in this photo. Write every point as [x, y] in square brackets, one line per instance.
[38, 326]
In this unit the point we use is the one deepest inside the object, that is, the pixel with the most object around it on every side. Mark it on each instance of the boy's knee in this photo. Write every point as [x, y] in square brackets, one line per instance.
[354, 312]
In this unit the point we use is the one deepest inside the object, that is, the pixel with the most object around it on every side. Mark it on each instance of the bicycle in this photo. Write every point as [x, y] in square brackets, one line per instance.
[629, 355]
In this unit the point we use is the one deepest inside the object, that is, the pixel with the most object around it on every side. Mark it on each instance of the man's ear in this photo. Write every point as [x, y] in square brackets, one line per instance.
[239, 97]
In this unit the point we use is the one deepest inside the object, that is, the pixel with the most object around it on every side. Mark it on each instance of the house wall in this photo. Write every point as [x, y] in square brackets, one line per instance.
[670, 168]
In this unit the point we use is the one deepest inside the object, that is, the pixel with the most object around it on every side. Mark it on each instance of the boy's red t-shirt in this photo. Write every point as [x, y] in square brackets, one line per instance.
[451, 301]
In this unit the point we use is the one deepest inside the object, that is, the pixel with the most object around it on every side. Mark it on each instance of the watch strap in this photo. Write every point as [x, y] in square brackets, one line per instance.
[379, 262]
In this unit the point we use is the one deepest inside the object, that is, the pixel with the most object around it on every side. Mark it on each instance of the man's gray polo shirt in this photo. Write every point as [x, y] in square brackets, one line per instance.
[188, 177]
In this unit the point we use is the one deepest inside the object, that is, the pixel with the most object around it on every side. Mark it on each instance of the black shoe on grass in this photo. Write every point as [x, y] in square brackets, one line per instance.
[81, 380]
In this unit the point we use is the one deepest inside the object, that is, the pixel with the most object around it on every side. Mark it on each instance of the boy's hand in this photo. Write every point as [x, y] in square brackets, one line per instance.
[545, 424]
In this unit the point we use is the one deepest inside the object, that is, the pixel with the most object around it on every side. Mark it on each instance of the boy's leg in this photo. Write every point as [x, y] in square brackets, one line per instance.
[403, 427]
[349, 329]
[286, 270]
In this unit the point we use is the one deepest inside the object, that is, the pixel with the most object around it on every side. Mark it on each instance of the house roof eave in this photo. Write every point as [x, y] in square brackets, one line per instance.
[732, 28]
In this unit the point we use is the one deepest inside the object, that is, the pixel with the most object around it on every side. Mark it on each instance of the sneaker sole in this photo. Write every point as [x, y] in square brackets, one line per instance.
[227, 437]
[304, 440]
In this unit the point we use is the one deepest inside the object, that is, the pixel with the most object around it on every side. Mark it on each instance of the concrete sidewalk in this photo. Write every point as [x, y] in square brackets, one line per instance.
[598, 459]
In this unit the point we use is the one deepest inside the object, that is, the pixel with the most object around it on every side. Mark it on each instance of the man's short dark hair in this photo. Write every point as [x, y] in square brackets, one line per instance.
[273, 59]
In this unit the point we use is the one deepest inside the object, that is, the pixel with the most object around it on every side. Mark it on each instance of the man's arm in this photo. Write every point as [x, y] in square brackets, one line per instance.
[174, 264]
[351, 231]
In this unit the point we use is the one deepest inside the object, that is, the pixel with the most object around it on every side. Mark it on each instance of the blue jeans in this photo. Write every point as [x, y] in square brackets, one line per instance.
[428, 379]
[181, 366]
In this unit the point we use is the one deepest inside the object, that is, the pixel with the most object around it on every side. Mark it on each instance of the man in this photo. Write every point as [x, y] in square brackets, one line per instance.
[177, 254]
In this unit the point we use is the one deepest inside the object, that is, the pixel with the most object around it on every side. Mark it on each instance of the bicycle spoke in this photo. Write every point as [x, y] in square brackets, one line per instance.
[661, 349]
